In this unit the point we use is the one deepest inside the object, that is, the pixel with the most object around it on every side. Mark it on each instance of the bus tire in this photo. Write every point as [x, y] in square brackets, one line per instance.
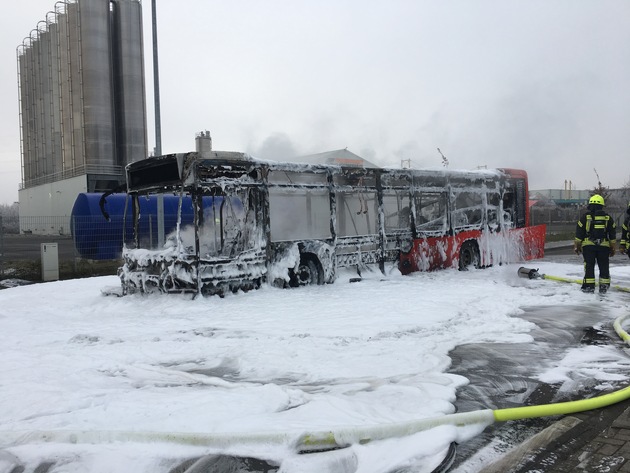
[468, 255]
[308, 272]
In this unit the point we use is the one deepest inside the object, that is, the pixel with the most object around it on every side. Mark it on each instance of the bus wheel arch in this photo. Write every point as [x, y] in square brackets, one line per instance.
[309, 271]
[469, 255]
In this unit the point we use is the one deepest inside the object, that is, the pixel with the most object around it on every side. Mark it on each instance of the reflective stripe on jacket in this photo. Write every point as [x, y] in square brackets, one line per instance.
[601, 221]
[624, 232]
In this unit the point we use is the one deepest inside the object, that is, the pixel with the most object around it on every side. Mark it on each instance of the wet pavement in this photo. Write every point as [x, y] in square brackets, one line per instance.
[595, 441]
[502, 376]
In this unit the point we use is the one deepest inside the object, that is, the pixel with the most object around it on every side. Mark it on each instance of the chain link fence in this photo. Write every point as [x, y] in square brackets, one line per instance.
[561, 221]
[87, 246]
[91, 246]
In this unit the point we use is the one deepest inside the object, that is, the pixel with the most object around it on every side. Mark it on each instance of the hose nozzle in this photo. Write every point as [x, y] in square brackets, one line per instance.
[528, 273]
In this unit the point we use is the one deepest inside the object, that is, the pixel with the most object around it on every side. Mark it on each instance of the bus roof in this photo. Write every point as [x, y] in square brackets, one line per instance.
[176, 170]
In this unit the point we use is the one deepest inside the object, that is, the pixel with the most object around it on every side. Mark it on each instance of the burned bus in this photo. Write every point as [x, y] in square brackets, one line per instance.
[290, 224]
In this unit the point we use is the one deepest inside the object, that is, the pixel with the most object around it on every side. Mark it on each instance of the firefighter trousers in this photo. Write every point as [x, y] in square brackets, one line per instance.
[596, 254]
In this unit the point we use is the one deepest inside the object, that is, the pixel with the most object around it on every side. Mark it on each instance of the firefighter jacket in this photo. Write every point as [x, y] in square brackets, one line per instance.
[624, 233]
[596, 228]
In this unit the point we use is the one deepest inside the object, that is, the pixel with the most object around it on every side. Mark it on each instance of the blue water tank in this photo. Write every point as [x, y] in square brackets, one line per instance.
[97, 238]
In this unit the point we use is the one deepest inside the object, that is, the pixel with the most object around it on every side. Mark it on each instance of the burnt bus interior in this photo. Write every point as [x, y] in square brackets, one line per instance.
[242, 222]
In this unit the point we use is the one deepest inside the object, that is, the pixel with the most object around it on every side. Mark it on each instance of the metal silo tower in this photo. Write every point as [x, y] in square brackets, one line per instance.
[82, 92]
[82, 101]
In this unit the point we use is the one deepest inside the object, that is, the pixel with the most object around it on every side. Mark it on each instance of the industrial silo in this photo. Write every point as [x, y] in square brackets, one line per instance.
[65, 92]
[96, 69]
[44, 100]
[34, 106]
[56, 150]
[23, 109]
[74, 73]
[129, 90]
[82, 93]
[23, 84]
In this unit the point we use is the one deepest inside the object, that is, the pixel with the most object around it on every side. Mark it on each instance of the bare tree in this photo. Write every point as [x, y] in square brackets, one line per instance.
[9, 215]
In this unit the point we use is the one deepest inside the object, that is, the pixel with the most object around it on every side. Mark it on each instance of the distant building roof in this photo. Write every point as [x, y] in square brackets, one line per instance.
[341, 157]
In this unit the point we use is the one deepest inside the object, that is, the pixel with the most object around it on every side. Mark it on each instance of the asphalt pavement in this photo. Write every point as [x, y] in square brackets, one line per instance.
[28, 247]
[596, 441]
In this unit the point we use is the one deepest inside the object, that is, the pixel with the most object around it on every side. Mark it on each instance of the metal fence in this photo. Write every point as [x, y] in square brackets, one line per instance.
[561, 221]
[90, 246]
[87, 246]
[45, 226]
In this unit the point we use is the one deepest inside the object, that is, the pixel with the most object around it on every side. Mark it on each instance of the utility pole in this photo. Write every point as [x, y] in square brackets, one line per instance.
[158, 125]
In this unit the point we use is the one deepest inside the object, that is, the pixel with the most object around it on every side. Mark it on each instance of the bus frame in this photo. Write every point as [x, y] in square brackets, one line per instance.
[291, 224]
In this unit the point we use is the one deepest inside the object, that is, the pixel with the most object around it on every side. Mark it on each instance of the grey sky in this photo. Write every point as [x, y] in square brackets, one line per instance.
[542, 85]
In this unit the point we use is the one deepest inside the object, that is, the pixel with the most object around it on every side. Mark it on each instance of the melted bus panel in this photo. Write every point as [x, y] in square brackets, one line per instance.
[295, 224]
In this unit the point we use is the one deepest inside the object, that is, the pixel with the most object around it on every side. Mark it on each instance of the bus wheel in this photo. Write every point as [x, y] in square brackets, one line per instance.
[468, 255]
[308, 272]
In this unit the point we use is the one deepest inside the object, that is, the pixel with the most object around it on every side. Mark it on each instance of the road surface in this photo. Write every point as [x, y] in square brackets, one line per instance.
[28, 247]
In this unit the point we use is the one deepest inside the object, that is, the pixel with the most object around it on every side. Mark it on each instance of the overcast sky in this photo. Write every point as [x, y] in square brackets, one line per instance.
[542, 85]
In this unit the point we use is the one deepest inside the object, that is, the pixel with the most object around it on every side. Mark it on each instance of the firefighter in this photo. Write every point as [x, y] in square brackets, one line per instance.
[624, 244]
[595, 238]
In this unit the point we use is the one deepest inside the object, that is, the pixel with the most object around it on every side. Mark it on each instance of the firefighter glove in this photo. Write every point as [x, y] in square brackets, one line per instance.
[577, 247]
[622, 249]
[612, 249]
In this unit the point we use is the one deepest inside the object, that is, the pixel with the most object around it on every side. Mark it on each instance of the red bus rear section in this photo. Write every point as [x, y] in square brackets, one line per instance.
[481, 249]
[514, 241]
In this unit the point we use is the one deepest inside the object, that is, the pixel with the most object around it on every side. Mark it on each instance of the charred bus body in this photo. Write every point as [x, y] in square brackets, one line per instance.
[294, 224]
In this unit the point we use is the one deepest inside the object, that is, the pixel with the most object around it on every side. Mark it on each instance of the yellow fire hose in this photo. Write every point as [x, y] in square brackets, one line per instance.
[534, 274]
[330, 439]
[343, 437]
